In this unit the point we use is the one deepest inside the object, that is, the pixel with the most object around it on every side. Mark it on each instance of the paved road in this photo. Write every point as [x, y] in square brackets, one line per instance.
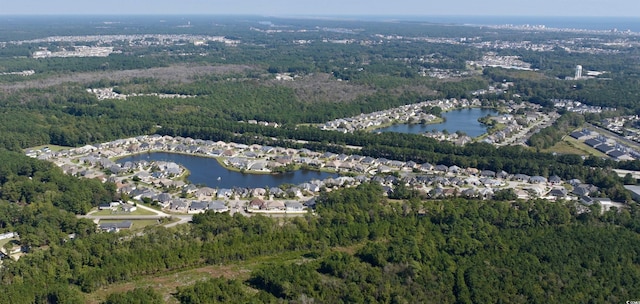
[158, 212]
[523, 135]
[124, 217]
[183, 220]
[614, 136]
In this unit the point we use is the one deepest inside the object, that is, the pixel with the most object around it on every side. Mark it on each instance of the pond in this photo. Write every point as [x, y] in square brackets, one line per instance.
[207, 171]
[464, 120]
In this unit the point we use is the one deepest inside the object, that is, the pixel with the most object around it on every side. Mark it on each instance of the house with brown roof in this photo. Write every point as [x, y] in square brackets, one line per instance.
[256, 204]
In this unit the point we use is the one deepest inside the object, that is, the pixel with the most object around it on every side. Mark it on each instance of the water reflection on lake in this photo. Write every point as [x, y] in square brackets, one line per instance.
[464, 120]
[207, 171]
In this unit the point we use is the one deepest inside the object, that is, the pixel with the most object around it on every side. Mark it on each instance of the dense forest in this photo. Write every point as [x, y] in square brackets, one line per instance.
[358, 245]
[447, 251]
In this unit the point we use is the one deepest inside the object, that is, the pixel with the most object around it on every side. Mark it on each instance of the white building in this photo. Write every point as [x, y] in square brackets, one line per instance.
[578, 71]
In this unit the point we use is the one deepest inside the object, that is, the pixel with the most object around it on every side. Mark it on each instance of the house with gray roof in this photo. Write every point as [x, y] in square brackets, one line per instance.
[579, 135]
[115, 227]
[441, 168]
[128, 208]
[276, 192]
[454, 169]
[197, 207]
[224, 192]
[604, 148]
[537, 179]
[179, 205]
[558, 193]
[294, 207]
[592, 142]
[555, 180]
[218, 206]
[616, 154]
[584, 189]
[487, 173]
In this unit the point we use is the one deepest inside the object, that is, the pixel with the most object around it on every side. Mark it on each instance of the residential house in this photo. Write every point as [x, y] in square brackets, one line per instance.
[584, 189]
[555, 180]
[441, 168]
[472, 171]
[469, 192]
[592, 200]
[258, 192]
[8, 235]
[294, 207]
[129, 208]
[205, 192]
[558, 193]
[276, 192]
[115, 227]
[311, 203]
[275, 206]
[294, 192]
[190, 188]
[454, 169]
[521, 177]
[256, 204]
[197, 207]
[218, 207]
[606, 149]
[502, 174]
[487, 173]
[179, 205]
[224, 192]
[537, 179]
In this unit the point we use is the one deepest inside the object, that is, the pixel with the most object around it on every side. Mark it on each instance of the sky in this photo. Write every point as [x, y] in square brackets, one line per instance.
[608, 8]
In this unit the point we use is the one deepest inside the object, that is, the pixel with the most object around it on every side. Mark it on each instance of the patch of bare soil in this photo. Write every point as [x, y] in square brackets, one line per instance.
[322, 87]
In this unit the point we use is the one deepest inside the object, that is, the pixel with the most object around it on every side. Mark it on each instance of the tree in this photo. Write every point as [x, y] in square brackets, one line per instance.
[505, 195]
[136, 296]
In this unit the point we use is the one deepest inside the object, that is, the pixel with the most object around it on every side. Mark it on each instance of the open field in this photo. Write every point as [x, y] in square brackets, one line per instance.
[5, 241]
[168, 283]
[136, 224]
[138, 211]
[570, 145]
[176, 73]
[52, 147]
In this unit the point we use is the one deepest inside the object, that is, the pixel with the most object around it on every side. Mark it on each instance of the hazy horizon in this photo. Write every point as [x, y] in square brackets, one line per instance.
[406, 8]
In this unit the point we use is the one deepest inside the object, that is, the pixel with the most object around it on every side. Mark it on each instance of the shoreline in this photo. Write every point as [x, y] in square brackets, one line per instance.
[184, 176]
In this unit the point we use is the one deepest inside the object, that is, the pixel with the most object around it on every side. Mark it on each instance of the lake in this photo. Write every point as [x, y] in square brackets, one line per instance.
[464, 120]
[206, 171]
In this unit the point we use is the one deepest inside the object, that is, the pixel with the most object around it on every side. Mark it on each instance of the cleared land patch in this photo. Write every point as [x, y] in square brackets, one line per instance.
[176, 73]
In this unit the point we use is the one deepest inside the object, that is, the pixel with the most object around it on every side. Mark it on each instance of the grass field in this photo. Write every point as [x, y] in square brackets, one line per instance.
[166, 284]
[136, 224]
[570, 145]
[52, 147]
[138, 211]
[5, 241]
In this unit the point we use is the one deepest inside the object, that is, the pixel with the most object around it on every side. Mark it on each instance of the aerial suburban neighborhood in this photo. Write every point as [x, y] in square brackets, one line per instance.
[156, 181]
[168, 154]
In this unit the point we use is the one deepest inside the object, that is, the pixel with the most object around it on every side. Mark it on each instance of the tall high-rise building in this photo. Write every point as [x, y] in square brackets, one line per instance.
[578, 71]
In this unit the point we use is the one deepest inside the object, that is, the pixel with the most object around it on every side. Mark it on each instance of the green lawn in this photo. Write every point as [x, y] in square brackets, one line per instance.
[52, 147]
[3, 242]
[570, 145]
[136, 224]
[139, 211]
